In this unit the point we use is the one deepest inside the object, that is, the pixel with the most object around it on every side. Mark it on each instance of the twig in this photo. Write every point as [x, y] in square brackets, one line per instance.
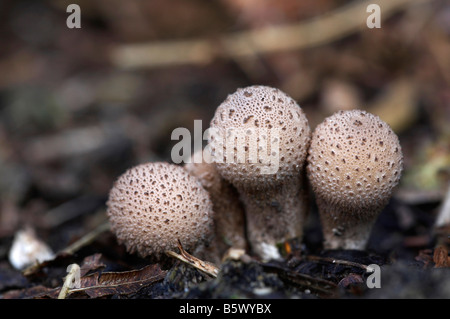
[86, 239]
[305, 34]
[338, 262]
[317, 285]
[201, 265]
[69, 280]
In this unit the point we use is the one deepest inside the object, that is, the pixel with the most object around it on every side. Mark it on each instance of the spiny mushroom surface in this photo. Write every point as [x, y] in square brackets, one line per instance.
[259, 139]
[153, 205]
[354, 163]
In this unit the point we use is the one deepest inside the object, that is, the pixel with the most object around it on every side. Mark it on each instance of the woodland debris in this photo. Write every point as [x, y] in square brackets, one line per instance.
[27, 249]
[204, 266]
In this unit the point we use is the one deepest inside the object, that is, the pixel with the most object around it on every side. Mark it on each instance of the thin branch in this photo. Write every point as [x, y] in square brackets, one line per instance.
[69, 281]
[339, 262]
[324, 29]
[87, 239]
[201, 265]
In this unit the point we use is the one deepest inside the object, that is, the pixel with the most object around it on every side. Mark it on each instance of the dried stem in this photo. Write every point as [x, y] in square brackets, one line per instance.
[305, 34]
[201, 265]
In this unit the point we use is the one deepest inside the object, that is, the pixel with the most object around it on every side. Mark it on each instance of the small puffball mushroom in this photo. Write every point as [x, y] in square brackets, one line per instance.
[354, 163]
[259, 140]
[229, 219]
[153, 205]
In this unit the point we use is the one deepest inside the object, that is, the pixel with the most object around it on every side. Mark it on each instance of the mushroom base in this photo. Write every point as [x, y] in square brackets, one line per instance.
[345, 228]
[229, 219]
[274, 216]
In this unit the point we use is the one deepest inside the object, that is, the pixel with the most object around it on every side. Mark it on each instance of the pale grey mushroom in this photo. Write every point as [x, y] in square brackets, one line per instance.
[152, 206]
[272, 133]
[354, 163]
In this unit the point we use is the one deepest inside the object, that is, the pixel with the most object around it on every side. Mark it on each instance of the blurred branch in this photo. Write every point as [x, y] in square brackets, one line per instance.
[328, 27]
[398, 105]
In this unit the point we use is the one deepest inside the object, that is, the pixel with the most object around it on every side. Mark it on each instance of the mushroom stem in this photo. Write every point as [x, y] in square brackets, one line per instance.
[229, 216]
[343, 229]
[272, 220]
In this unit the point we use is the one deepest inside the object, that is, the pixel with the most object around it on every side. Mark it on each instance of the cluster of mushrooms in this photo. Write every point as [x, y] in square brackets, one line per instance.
[351, 162]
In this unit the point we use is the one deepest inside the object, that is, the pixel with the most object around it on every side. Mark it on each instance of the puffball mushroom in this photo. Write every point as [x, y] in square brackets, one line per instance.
[259, 137]
[229, 218]
[354, 163]
[153, 205]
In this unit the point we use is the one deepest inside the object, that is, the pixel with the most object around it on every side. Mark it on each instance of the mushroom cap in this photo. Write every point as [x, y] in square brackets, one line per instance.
[153, 205]
[272, 130]
[355, 160]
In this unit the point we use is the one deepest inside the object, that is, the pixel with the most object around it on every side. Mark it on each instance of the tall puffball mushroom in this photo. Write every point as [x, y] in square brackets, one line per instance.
[259, 137]
[354, 163]
[151, 206]
[229, 218]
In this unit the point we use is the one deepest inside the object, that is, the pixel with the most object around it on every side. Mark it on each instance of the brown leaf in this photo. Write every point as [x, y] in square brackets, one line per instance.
[91, 263]
[352, 283]
[38, 269]
[109, 283]
[424, 257]
[351, 279]
[440, 257]
[35, 292]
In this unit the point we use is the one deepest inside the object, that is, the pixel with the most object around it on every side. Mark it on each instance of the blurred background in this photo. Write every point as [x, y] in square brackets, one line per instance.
[79, 106]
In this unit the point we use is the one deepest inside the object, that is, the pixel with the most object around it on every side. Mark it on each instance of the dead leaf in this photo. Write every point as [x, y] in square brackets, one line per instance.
[441, 257]
[424, 257]
[353, 283]
[38, 269]
[91, 263]
[350, 280]
[204, 266]
[123, 283]
[35, 292]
